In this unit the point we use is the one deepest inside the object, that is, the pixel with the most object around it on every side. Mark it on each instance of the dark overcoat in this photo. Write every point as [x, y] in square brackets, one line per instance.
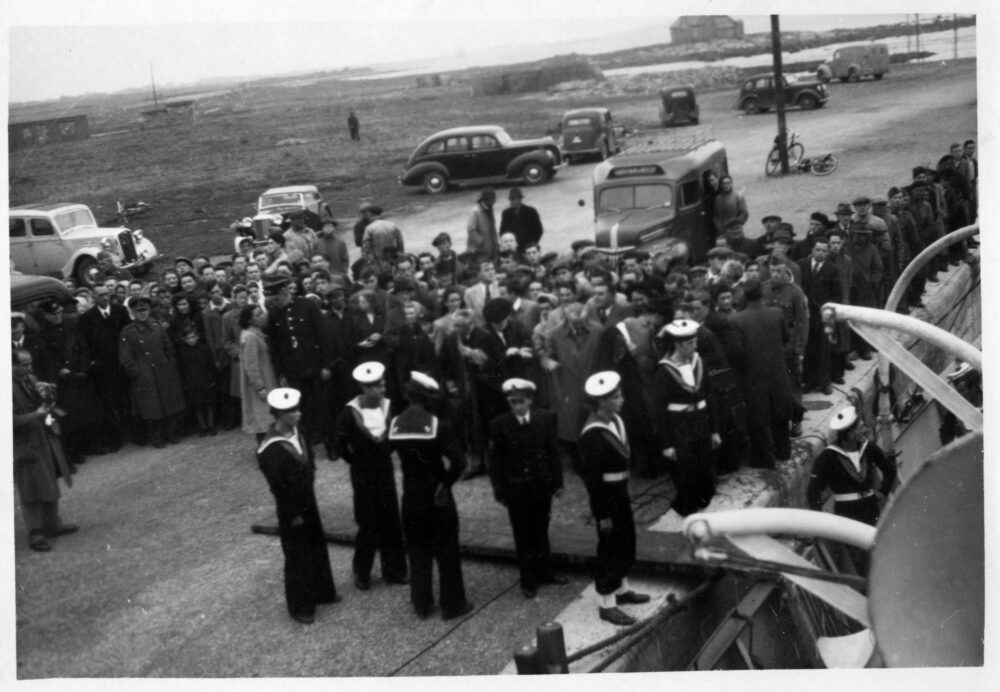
[760, 338]
[146, 354]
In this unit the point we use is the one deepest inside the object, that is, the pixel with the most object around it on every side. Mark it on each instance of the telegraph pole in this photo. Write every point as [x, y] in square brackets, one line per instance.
[779, 90]
[916, 24]
[156, 105]
[954, 26]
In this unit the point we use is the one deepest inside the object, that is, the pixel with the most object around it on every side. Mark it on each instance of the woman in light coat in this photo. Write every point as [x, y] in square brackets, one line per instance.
[257, 376]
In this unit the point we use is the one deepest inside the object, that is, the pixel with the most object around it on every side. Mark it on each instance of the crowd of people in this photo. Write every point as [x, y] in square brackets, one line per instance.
[712, 359]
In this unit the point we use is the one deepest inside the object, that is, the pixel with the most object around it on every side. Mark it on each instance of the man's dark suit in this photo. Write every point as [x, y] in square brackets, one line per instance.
[525, 472]
[99, 337]
[820, 287]
[524, 223]
[760, 338]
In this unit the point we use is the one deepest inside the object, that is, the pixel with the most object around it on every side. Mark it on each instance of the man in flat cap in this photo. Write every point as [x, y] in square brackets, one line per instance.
[365, 216]
[147, 356]
[728, 205]
[526, 474]
[899, 200]
[38, 456]
[432, 460]
[736, 240]
[481, 226]
[867, 277]
[606, 460]
[300, 352]
[286, 460]
[521, 220]
[819, 224]
[770, 224]
[382, 242]
[361, 439]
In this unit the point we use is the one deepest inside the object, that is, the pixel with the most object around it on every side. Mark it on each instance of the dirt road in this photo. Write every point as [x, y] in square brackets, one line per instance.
[165, 579]
[870, 126]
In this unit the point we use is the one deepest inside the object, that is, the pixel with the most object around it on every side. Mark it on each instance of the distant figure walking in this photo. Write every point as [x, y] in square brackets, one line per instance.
[354, 126]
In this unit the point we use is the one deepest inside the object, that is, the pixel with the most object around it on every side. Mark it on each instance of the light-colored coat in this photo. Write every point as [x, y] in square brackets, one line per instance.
[482, 233]
[257, 379]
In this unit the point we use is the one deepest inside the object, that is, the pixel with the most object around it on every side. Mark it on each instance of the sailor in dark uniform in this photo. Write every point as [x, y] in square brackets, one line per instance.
[361, 439]
[685, 421]
[606, 455]
[301, 354]
[849, 468]
[524, 469]
[856, 471]
[432, 460]
[287, 463]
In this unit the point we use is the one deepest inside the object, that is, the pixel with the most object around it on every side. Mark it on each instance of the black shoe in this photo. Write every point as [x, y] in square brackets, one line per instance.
[464, 610]
[616, 617]
[631, 598]
[796, 430]
[848, 366]
[838, 380]
[362, 583]
[529, 592]
[555, 579]
[212, 432]
[337, 598]
[159, 444]
[424, 613]
[304, 619]
[397, 580]
[67, 529]
[865, 356]
[827, 390]
[42, 545]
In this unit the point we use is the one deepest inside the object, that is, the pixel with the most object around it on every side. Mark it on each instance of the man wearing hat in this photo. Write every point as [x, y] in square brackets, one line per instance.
[843, 216]
[107, 269]
[521, 220]
[299, 235]
[286, 460]
[819, 224]
[526, 474]
[856, 471]
[770, 224]
[923, 215]
[728, 205]
[147, 356]
[481, 227]
[332, 249]
[365, 216]
[606, 459]
[361, 439]
[761, 339]
[892, 248]
[446, 257]
[382, 242]
[484, 290]
[866, 279]
[911, 246]
[38, 456]
[781, 246]
[821, 284]
[737, 241]
[684, 419]
[717, 258]
[299, 350]
[432, 461]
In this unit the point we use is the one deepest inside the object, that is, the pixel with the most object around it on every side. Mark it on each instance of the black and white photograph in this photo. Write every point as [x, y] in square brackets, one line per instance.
[428, 340]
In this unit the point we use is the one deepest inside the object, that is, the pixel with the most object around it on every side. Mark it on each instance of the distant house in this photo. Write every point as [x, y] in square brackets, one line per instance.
[30, 134]
[694, 28]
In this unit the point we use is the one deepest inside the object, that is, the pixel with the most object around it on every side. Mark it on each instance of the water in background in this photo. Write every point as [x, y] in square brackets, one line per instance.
[940, 43]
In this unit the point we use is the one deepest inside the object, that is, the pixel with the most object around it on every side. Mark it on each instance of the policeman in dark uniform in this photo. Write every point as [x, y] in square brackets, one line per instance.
[299, 351]
[523, 461]
[605, 455]
[287, 463]
[432, 461]
[361, 439]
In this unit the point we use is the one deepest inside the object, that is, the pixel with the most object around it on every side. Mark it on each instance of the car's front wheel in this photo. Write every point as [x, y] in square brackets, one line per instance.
[435, 183]
[86, 270]
[808, 102]
[534, 174]
[751, 106]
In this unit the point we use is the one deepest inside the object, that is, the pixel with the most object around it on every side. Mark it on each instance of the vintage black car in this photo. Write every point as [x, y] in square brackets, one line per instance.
[589, 132]
[678, 105]
[482, 155]
[758, 95]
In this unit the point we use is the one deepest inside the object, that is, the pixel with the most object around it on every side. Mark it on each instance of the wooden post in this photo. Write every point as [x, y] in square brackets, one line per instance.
[552, 648]
[779, 90]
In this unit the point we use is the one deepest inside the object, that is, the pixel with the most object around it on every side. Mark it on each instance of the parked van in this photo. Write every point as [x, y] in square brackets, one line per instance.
[851, 63]
[652, 196]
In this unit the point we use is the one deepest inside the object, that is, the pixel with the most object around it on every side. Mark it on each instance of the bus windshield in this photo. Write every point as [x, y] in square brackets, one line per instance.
[647, 196]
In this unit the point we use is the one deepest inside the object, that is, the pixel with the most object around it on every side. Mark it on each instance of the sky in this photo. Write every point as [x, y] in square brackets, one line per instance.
[62, 48]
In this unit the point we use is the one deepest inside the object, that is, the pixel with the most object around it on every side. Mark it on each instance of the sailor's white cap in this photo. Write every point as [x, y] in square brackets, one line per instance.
[681, 330]
[599, 385]
[516, 385]
[425, 381]
[284, 398]
[369, 373]
[844, 419]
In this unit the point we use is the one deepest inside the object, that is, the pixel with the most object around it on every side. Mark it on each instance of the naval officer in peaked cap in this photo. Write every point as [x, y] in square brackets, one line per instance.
[525, 471]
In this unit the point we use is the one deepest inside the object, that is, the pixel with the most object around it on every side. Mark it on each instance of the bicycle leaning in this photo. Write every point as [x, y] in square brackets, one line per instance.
[824, 164]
